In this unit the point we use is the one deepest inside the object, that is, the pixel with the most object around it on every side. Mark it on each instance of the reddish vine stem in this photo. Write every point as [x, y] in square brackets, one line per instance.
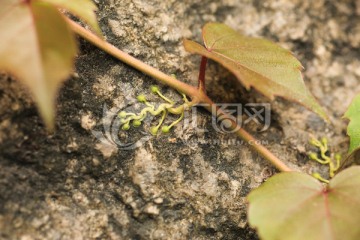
[197, 95]
[201, 83]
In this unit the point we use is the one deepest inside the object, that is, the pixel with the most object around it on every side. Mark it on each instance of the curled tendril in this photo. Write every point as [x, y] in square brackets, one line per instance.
[333, 161]
[128, 118]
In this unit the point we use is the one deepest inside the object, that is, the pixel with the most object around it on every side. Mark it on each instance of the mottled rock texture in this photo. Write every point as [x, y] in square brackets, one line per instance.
[188, 184]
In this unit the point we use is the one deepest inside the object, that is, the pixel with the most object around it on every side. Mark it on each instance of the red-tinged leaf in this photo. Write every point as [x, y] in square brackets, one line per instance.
[83, 9]
[38, 48]
[259, 63]
[296, 206]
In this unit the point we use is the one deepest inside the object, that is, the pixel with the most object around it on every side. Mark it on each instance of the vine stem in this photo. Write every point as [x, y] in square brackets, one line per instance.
[201, 84]
[197, 94]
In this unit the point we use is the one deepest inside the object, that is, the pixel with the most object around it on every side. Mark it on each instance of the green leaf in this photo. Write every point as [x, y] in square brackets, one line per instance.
[37, 47]
[295, 206]
[83, 9]
[269, 68]
[353, 130]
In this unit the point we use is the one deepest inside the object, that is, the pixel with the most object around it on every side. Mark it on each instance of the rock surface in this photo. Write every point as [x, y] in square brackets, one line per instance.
[189, 184]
